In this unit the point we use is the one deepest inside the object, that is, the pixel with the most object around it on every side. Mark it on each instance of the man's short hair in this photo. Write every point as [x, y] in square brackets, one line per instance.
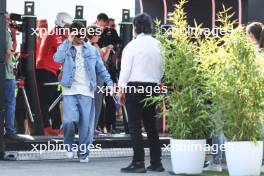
[94, 28]
[143, 24]
[102, 16]
[76, 25]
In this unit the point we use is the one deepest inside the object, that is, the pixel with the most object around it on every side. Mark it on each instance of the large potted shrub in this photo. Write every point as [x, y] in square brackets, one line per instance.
[237, 85]
[189, 117]
[239, 91]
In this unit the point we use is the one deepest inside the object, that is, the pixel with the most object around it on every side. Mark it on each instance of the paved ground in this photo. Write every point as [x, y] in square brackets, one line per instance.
[95, 167]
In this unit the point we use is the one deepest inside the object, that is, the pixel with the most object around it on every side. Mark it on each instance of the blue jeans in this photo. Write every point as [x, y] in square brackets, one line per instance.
[218, 138]
[218, 155]
[263, 148]
[78, 110]
[263, 154]
[10, 105]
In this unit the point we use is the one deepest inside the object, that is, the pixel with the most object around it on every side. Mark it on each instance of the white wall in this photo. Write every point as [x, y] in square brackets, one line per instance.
[49, 8]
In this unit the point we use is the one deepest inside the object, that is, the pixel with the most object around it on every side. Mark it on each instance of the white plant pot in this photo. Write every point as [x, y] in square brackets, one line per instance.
[244, 158]
[187, 156]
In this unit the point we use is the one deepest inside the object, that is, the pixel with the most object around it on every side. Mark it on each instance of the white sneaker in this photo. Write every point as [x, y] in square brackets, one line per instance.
[70, 155]
[213, 167]
[86, 160]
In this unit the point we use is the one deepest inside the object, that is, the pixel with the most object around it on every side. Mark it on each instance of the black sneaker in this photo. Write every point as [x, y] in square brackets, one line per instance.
[134, 168]
[156, 168]
[206, 164]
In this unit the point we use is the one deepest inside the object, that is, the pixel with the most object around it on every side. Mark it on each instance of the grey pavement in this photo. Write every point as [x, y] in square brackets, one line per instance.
[95, 167]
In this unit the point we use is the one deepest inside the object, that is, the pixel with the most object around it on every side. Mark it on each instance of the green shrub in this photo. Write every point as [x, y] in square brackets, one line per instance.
[216, 73]
[235, 80]
[189, 109]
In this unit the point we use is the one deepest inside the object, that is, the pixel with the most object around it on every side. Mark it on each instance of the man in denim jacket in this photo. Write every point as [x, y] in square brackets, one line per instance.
[81, 62]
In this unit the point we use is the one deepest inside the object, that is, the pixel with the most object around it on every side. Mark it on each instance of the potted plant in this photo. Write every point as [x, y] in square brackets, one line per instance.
[237, 86]
[189, 117]
[239, 90]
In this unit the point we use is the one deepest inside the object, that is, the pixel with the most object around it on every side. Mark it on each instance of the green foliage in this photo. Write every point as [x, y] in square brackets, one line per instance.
[235, 80]
[238, 87]
[214, 74]
[189, 108]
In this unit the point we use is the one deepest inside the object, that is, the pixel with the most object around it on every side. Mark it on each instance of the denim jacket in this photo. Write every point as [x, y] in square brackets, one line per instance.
[66, 54]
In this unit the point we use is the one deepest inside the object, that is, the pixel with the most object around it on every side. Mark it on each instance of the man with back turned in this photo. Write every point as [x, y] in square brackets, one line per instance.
[141, 66]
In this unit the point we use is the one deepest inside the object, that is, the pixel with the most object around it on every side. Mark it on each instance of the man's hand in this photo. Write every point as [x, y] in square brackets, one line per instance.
[110, 90]
[110, 47]
[59, 77]
[121, 98]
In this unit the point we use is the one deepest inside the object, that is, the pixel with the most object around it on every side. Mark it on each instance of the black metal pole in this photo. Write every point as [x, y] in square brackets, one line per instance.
[126, 32]
[79, 14]
[126, 27]
[28, 65]
[2, 74]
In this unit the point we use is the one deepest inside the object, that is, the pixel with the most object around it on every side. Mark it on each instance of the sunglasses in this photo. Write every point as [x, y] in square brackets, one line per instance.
[80, 36]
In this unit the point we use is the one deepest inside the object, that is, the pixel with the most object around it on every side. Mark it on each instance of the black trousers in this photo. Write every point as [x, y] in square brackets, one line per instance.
[48, 94]
[108, 114]
[138, 112]
[21, 113]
